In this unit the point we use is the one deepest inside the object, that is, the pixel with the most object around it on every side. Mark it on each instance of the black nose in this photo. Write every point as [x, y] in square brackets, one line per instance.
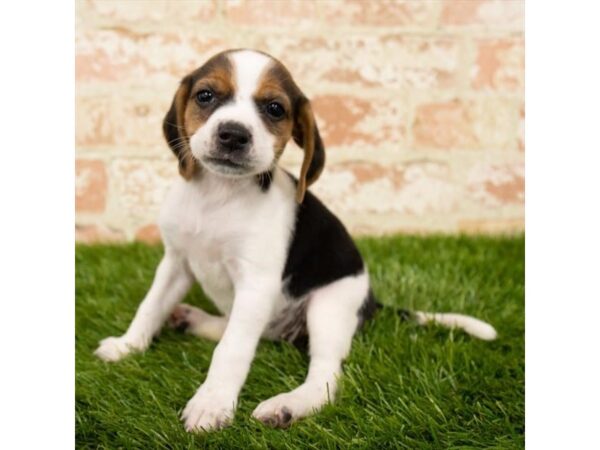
[233, 137]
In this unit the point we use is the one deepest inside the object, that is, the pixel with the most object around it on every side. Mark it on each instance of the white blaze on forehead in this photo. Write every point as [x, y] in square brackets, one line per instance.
[248, 68]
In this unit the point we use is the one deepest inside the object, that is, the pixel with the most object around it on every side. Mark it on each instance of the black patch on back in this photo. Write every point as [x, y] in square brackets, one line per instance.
[321, 250]
[264, 180]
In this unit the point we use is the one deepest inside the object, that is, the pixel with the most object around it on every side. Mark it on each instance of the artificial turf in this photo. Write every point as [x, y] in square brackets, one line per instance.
[404, 386]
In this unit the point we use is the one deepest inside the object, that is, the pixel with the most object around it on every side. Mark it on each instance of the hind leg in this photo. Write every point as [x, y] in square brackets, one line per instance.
[332, 319]
[192, 320]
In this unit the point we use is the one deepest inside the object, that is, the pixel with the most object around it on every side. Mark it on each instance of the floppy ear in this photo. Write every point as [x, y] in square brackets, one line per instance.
[306, 135]
[174, 130]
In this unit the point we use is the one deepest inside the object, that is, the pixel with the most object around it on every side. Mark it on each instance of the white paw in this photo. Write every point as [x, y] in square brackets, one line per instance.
[115, 348]
[208, 410]
[283, 409]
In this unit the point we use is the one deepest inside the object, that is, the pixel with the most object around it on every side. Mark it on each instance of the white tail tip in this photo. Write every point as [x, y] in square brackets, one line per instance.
[471, 325]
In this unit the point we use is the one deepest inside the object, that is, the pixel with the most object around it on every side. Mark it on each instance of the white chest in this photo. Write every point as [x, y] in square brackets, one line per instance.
[228, 233]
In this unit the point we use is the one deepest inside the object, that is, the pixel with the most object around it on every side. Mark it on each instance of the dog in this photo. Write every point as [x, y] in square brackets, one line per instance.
[273, 259]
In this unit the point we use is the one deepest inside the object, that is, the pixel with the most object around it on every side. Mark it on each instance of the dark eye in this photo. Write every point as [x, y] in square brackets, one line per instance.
[275, 110]
[205, 96]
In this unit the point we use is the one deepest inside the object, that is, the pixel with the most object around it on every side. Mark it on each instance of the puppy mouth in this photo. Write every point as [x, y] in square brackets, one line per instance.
[227, 165]
[225, 161]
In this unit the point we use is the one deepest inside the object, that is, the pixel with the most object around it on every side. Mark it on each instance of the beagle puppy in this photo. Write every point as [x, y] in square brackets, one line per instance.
[274, 260]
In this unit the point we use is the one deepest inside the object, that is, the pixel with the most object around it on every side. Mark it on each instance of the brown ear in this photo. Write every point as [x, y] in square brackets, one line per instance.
[174, 130]
[306, 135]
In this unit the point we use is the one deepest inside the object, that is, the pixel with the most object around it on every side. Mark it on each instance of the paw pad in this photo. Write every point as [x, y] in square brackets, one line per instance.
[281, 419]
[179, 319]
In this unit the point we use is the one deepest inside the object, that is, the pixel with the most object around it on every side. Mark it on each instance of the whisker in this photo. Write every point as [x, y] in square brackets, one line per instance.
[179, 127]
[176, 140]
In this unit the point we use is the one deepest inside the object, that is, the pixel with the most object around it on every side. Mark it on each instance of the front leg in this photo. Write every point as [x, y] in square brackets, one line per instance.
[171, 282]
[213, 405]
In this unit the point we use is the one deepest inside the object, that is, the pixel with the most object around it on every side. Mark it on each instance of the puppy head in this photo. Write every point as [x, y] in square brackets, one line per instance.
[234, 116]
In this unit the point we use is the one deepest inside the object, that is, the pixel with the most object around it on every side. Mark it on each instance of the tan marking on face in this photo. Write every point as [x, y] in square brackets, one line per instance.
[185, 115]
[272, 88]
[218, 78]
[299, 122]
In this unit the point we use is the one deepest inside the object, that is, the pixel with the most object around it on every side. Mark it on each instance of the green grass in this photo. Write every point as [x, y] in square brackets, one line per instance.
[404, 386]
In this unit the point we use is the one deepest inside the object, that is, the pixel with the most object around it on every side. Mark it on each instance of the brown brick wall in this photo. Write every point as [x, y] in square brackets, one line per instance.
[420, 103]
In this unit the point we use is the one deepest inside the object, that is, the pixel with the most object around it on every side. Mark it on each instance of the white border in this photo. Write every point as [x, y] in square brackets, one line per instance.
[562, 224]
[36, 224]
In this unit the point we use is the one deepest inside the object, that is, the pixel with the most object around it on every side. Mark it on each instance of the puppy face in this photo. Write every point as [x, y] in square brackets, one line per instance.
[234, 115]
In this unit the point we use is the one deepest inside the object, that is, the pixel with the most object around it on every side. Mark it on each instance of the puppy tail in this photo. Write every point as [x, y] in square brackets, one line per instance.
[471, 325]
